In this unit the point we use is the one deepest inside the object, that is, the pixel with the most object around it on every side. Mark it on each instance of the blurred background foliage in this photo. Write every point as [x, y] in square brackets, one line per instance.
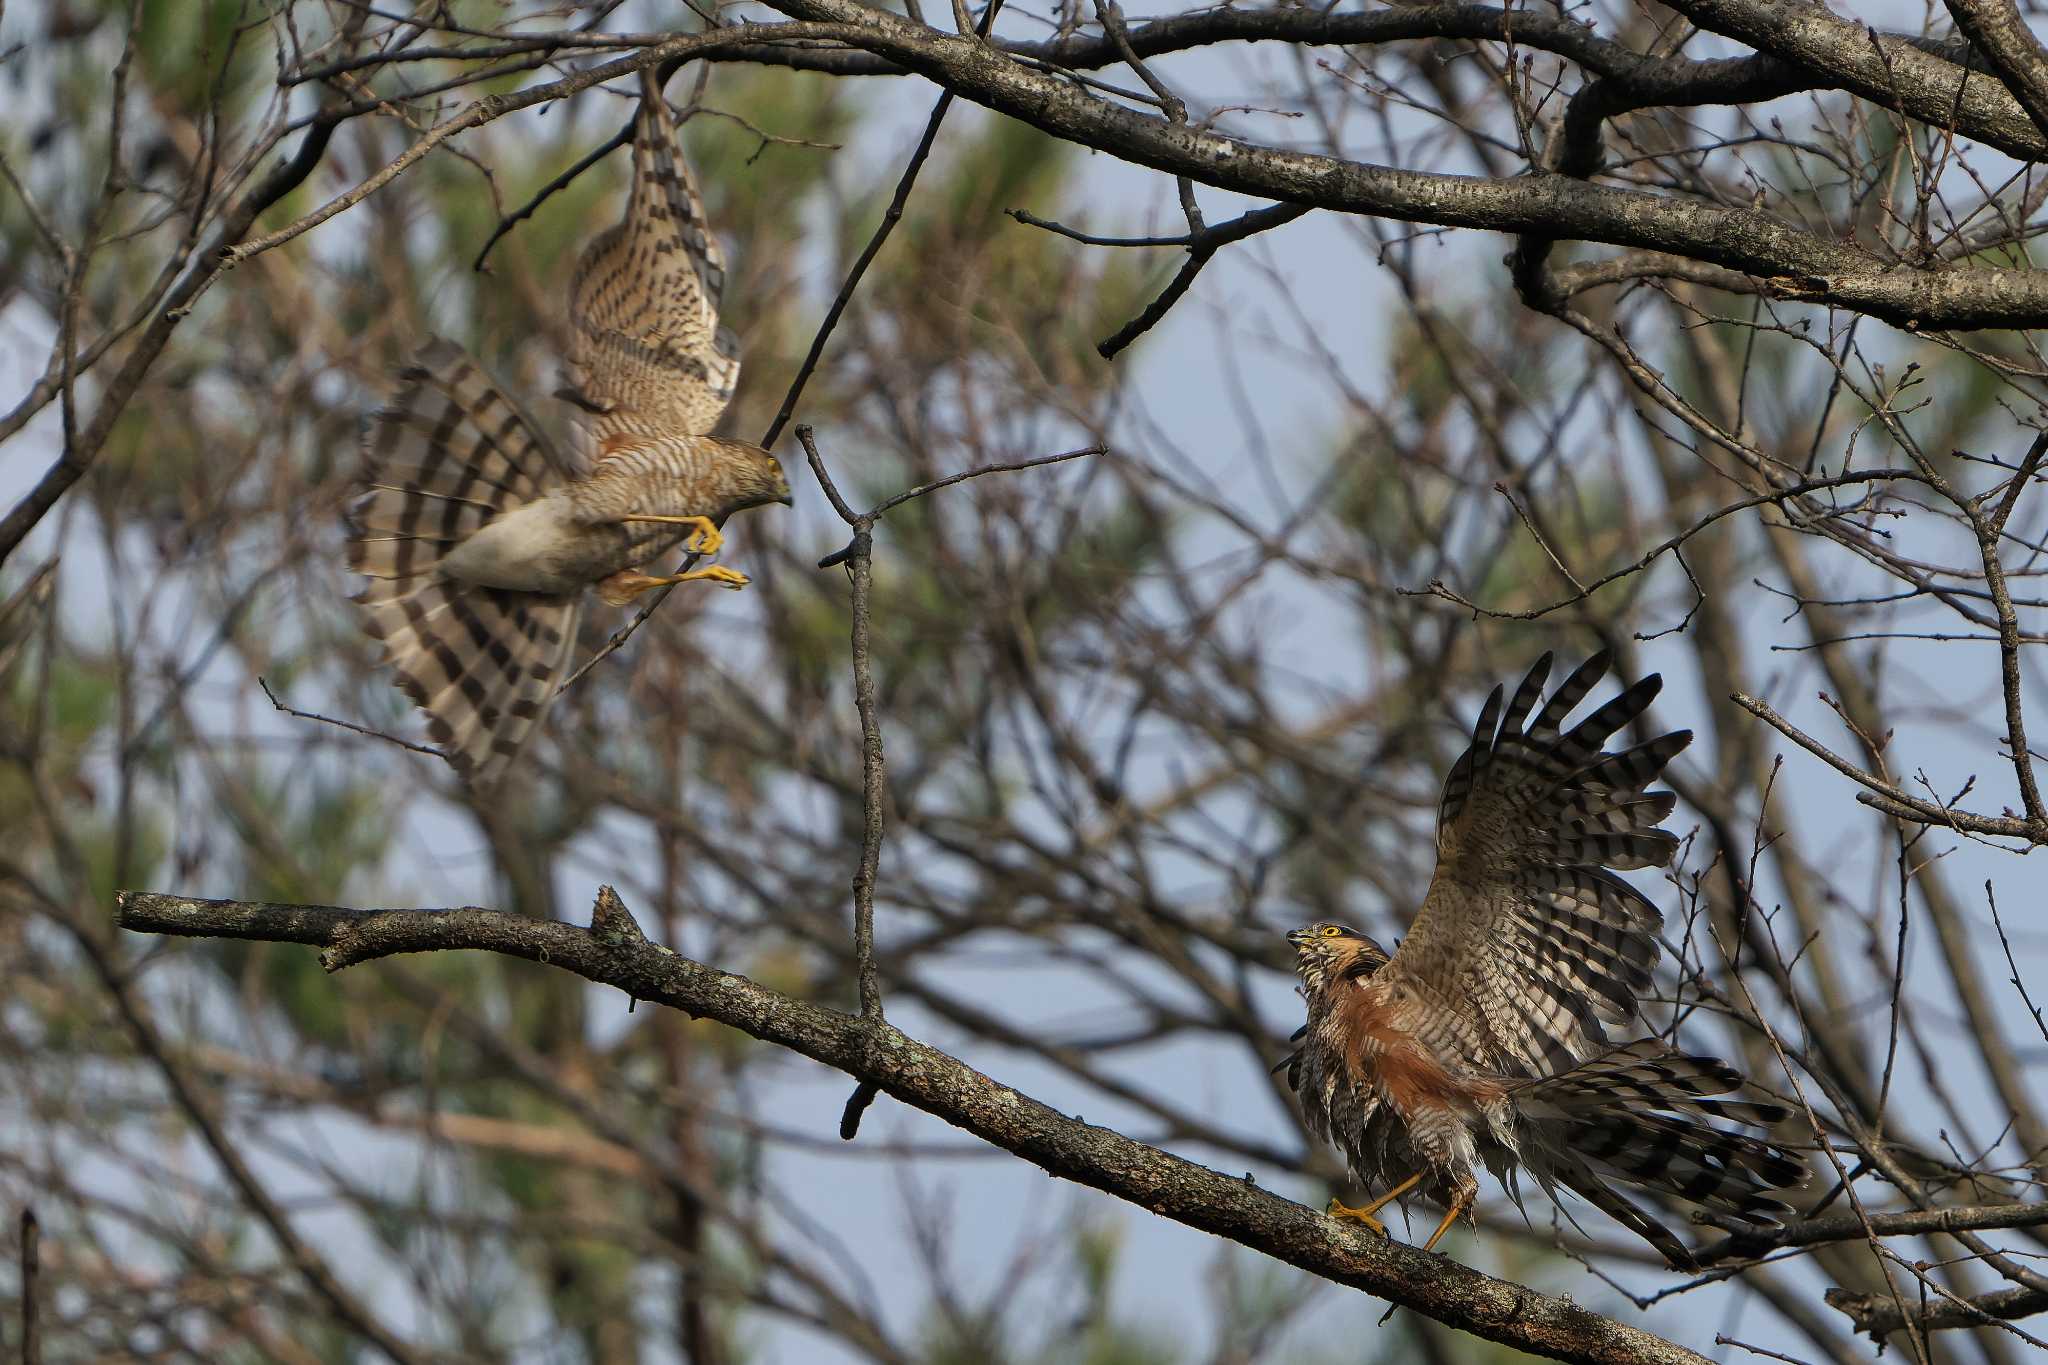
[1140, 712]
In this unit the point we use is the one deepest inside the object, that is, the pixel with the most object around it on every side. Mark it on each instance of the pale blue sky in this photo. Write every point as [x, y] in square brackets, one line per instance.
[992, 1200]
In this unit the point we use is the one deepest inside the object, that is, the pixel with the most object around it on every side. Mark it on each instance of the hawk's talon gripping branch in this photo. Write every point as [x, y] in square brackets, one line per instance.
[1364, 1212]
[1461, 1204]
[1344, 1213]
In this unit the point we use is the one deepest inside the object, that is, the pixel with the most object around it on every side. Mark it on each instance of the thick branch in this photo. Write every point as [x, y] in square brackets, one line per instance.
[1667, 80]
[1789, 263]
[1850, 1226]
[1995, 28]
[1879, 1315]
[941, 1085]
[1882, 68]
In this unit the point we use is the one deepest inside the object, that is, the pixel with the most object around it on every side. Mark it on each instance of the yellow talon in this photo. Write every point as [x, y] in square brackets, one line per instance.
[1344, 1212]
[704, 539]
[623, 587]
[715, 573]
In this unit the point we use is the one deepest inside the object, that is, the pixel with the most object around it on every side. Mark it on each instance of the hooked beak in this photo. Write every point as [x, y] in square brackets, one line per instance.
[1298, 937]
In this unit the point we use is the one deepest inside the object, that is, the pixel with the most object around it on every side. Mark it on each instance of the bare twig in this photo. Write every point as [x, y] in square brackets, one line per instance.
[936, 484]
[1889, 798]
[560, 182]
[31, 1289]
[873, 790]
[347, 725]
[873, 785]
[1779, 497]
[891, 216]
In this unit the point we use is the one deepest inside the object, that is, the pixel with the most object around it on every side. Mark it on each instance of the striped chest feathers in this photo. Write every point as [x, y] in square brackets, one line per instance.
[1370, 1027]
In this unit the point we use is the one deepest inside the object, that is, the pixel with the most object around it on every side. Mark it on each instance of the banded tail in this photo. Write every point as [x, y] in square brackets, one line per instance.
[1638, 1116]
[449, 454]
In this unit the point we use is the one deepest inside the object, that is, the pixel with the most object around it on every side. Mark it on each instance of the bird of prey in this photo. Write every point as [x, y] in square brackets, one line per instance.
[478, 537]
[1483, 1038]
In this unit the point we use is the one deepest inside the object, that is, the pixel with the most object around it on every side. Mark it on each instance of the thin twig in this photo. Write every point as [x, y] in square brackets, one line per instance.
[347, 725]
[859, 570]
[31, 1272]
[1991, 898]
[891, 216]
[936, 484]
[560, 182]
[857, 556]
[1437, 588]
[1203, 244]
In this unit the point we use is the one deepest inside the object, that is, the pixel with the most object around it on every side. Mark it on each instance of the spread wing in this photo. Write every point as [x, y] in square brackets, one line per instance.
[647, 353]
[1526, 943]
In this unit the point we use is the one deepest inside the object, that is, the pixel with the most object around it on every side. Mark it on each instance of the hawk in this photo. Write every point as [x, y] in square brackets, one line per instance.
[478, 537]
[1483, 1039]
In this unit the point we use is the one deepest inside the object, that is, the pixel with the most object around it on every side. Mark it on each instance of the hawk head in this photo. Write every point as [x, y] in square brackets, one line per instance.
[1330, 952]
[748, 476]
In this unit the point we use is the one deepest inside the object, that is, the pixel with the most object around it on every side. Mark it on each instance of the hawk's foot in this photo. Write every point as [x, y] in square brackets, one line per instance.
[706, 539]
[1461, 1204]
[1343, 1212]
[1364, 1213]
[628, 584]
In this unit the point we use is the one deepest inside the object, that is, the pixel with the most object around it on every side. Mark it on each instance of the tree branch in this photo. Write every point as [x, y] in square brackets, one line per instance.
[1995, 28]
[1788, 262]
[1848, 1226]
[1882, 68]
[927, 1079]
[1879, 1316]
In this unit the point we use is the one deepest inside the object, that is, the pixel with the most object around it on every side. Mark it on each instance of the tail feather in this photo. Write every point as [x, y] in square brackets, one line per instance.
[448, 455]
[1637, 1115]
[1632, 1216]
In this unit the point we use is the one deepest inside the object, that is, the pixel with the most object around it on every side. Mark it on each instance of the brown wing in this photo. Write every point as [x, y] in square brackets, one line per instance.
[1526, 943]
[647, 353]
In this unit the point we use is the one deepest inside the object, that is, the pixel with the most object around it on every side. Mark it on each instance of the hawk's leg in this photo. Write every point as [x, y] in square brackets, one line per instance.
[1364, 1214]
[628, 584]
[1461, 1203]
[704, 540]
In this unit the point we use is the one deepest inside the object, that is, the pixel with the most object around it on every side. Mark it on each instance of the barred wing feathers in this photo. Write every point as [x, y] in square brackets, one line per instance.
[1526, 943]
[647, 352]
[450, 453]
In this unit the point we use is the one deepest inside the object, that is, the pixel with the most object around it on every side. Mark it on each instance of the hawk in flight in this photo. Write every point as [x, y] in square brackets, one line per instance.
[478, 537]
[1482, 1038]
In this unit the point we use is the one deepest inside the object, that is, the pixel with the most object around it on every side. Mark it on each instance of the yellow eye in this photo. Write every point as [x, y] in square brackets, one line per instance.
[1331, 931]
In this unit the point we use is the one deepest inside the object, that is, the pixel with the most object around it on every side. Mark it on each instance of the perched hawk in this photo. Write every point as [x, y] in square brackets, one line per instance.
[1481, 1038]
[478, 537]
